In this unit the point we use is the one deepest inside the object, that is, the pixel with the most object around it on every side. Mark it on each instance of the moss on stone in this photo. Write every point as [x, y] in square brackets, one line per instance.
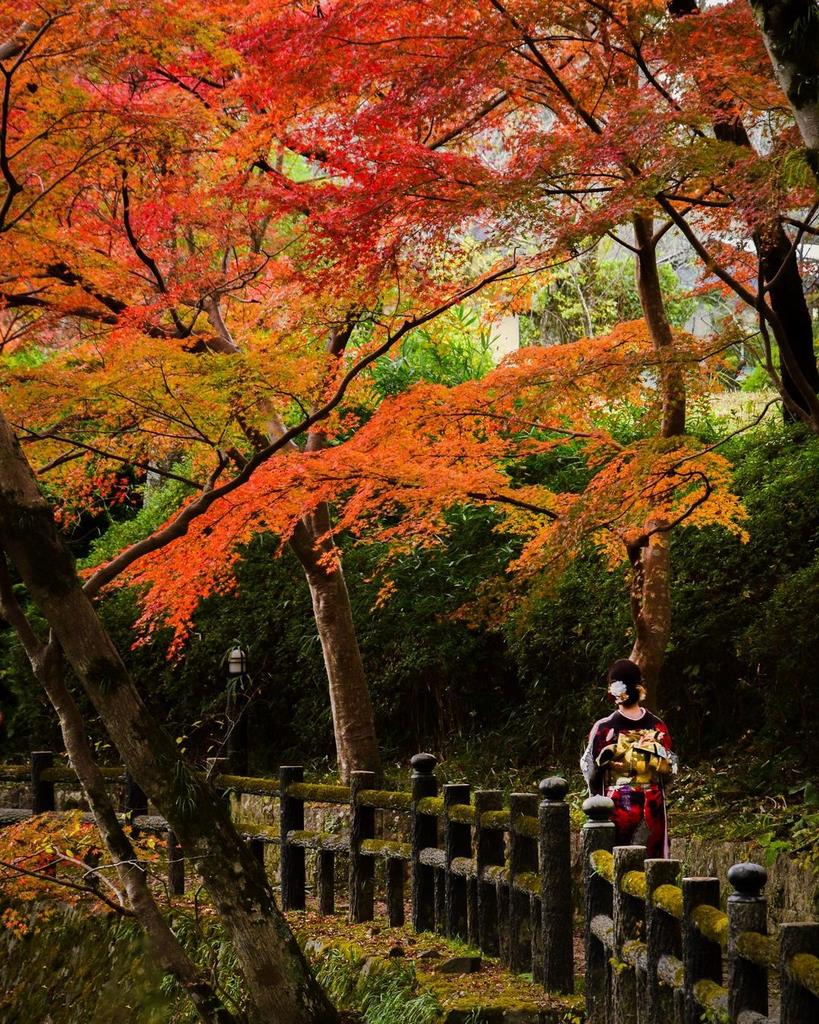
[526, 825]
[317, 840]
[247, 784]
[385, 799]
[13, 772]
[711, 923]
[430, 805]
[804, 968]
[495, 873]
[315, 793]
[528, 881]
[602, 862]
[386, 848]
[464, 813]
[668, 898]
[255, 828]
[495, 819]
[759, 949]
[710, 995]
[633, 950]
[670, 971]
[58, 775]
[634, 884]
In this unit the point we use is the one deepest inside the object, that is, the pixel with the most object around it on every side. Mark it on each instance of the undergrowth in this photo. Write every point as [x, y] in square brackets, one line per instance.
[383, 992]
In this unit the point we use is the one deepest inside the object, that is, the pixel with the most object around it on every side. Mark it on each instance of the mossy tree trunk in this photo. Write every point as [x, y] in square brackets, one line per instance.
[279, 986]
[790, 29]
[48, 667]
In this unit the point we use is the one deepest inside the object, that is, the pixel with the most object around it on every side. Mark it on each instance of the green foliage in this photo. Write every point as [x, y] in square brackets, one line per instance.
[455, 349]
[72, 960]
[159, 503]
[592, 294]
[384, 992]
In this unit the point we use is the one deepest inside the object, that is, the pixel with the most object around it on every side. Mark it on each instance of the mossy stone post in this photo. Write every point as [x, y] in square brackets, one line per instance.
[424, 834]
[440, 900]
[489, 853]
[628, 915]
[457, 843]
[596, 834]
[554, 968]
[799, 1005]
[362, 868]
[135, 803]
[702, 958]
[42, 791]
[395, 891]
[747, 912]
[662, 939]
[472, 936]
[176, 865]
[291, 819]
[326, 882]
[522, 861]
[503, 898]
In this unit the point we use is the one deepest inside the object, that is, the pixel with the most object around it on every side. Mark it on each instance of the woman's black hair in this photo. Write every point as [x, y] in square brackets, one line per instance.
[628, 672]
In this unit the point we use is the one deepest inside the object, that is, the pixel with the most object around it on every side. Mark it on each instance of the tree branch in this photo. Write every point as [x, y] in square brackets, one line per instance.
[178, 527]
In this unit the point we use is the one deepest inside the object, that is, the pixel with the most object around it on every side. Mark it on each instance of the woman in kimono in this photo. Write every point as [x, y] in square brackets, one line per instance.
[628, 758]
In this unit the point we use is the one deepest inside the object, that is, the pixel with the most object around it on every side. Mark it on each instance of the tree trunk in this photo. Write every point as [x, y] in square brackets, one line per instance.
[650, 561]
[650, 608]
[779, 269]
[790, 30]
[672, 382]
[353, 720]
[277, 979]
[779, 265]
[164, 946]
[312, 543]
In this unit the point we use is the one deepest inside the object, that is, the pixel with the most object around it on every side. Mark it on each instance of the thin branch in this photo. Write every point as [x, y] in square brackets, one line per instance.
[85, 889]
[487, 108]
[94, 450]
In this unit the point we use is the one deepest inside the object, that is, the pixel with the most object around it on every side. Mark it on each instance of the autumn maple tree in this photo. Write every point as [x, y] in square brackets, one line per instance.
[545, 127]
[215, 219]
[116, 285]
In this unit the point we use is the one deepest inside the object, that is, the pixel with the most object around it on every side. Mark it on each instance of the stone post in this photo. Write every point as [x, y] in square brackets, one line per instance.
[702, 958]
[291, 819]
[42, 791]
[747, 912]
[556, 971]
[522, 861]
[362, 868]
[662, 939]
[424, 830]
[628, 917]
[597, 834]
[489, 853]
[457, 843]
[799, 1005]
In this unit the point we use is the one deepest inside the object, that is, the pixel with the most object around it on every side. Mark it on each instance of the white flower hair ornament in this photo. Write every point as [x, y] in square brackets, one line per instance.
[618, 690]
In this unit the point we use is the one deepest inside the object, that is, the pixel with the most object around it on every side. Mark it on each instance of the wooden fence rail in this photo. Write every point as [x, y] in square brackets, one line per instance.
[499, 876]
